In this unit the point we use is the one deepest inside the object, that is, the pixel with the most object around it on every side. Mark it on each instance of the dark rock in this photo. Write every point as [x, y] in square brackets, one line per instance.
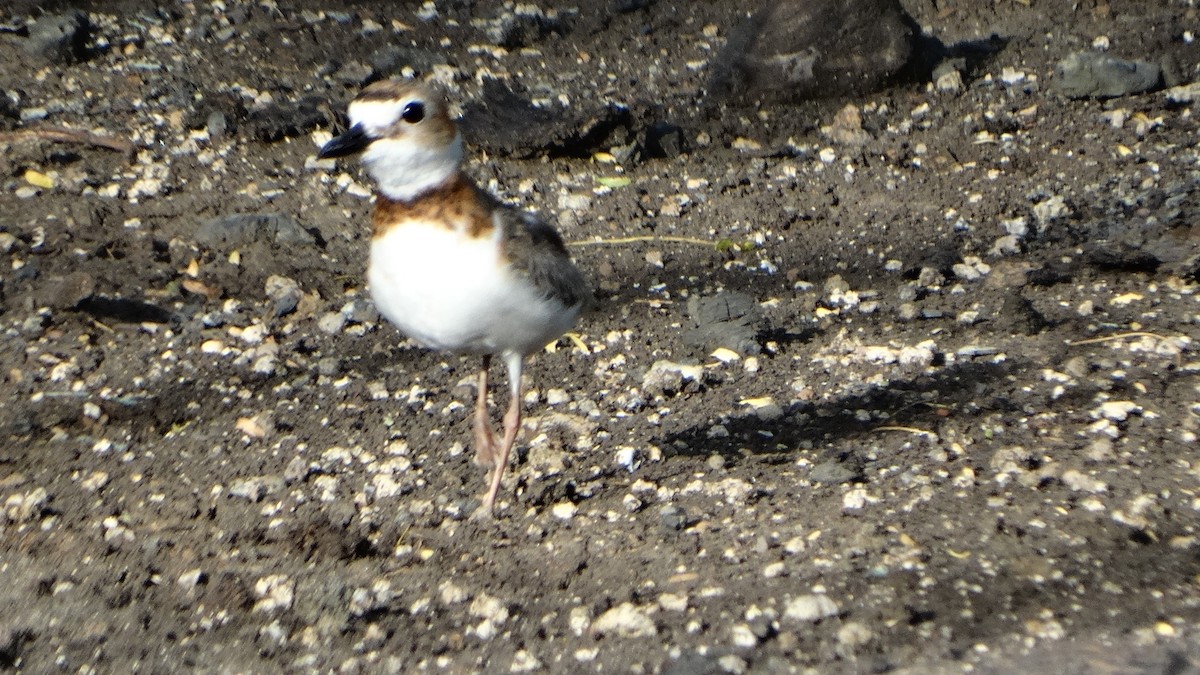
[284, 294]
[216, 124]
[9, 105]
[1097, 75]
[244, 228]
[125, 310]
[505, 123]
[68, 291]
[286, 120]
[835, 472]
[205, 112]
[627, 6]
[664, 140]
[674, 518]
[389, 60]
[1120, 256]
[29, 272]
[60, 38]
[1020, 316]
[525, 25]
[13, 638]
[1187, 268]
[727, 319]
[1054, 272]
[361, 311]
[817, 48]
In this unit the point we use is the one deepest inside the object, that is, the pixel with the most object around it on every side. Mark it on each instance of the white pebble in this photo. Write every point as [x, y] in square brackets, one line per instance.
[810, 608]
[625, 620]
[274, 592]
[742, 636]
[564, 510]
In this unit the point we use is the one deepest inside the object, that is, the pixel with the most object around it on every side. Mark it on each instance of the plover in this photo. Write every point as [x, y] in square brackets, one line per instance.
[450, 266]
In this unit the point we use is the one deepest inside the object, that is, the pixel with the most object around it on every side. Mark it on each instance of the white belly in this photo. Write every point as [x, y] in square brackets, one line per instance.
[448, 291]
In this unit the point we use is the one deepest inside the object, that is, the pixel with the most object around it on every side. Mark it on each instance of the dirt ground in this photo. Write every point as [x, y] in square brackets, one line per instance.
[958, 431]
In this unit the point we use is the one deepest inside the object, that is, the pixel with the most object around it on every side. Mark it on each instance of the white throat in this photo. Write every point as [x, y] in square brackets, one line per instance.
[405, 170]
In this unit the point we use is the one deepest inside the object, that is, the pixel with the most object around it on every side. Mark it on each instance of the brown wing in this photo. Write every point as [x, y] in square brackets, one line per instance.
[536, 251]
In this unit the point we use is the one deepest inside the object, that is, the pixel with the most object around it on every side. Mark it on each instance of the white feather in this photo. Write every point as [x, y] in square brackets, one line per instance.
[403, 167]
[404, 170]
[449, 291]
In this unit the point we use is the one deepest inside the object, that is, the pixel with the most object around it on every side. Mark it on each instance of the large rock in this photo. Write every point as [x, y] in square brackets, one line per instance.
[60, 38]
[817, 48]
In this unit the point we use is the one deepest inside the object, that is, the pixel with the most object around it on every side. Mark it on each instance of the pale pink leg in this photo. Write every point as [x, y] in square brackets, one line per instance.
[485, 442]
[512, 424]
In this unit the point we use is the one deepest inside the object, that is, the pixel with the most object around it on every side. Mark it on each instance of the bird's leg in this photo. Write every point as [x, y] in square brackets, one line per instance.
[512, 424]
[485, 442]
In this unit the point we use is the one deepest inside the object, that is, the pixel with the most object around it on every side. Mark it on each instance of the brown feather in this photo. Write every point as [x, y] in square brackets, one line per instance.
[459, 204]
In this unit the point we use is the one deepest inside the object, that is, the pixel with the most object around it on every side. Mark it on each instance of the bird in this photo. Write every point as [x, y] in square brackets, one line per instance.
[450, 265]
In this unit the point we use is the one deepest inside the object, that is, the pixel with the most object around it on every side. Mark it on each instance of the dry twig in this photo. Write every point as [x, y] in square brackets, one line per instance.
[65, 135]
[1111, 338]
[911, 430]
[648, 238]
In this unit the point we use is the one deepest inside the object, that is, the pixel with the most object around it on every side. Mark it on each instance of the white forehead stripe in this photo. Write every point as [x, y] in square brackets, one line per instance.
[376, 116]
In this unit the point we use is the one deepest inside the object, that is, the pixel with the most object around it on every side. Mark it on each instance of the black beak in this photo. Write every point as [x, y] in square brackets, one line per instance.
[354, 140]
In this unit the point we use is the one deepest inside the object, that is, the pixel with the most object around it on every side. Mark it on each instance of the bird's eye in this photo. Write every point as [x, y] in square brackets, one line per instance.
[413, 112]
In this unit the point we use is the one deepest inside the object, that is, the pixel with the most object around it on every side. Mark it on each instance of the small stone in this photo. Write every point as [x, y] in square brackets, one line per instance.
[524, 662]
[332, 323]
[238, 229]
[667, 377]
[1117, 411]
[950, 81]
[625, 620]
[251, 489]
[672, 602]
[373, 638]
[191, 578]
[1089, 74]
[1081, 482]
[810, 608]
[742, 636]
[664, 140]
[833, 472]
[297, 470]
[452, 594]
[673, 517]
[628, 458]
[564, 510]
[795, 545]
[95, 482]
[854, 635]
[579, 619]
[367, 599]
[59, 38]
[274, 592]
[329, 366]
[732, 663]
[575, 202]
[20, 508]
[489, 608]
[284, 294]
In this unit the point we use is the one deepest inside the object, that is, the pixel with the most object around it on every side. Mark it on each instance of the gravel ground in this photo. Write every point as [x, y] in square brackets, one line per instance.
[893, 380]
